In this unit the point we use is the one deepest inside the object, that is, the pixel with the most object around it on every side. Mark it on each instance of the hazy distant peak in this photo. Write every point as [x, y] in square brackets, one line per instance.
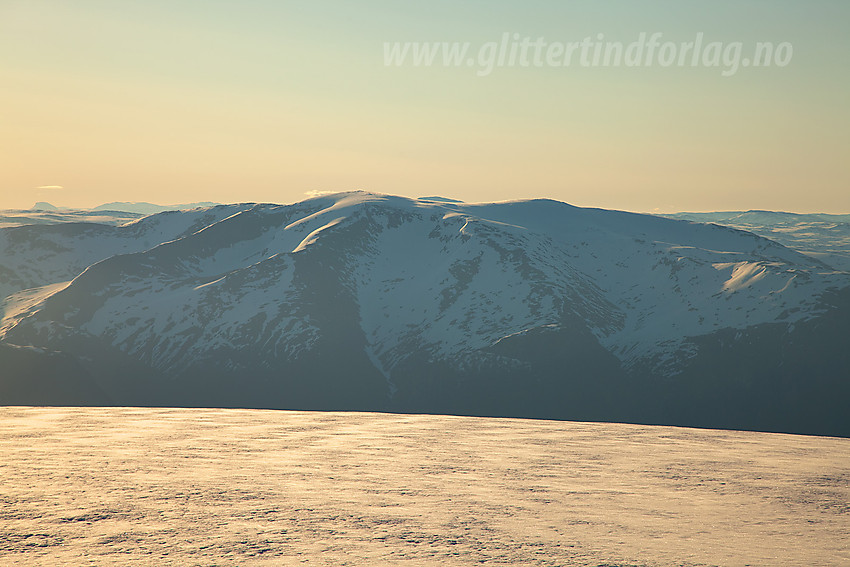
[44, 206]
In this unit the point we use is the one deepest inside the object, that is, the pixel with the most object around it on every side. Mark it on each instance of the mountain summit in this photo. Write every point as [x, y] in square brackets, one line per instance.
[375, 302]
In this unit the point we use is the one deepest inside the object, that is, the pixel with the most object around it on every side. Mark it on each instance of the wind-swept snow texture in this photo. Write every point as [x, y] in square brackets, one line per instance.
[363, 301]
[175, 487]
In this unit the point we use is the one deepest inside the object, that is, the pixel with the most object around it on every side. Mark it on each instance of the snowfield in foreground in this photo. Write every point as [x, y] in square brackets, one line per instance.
[123, 486]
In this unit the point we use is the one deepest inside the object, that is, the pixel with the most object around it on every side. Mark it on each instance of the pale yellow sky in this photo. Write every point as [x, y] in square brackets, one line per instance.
[185, 101]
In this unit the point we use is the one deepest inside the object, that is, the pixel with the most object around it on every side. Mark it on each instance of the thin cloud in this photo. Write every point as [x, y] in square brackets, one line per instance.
[317, 193]
[43, 187]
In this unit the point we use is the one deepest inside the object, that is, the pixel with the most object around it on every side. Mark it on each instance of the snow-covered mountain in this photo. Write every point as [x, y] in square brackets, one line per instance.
[363, 301]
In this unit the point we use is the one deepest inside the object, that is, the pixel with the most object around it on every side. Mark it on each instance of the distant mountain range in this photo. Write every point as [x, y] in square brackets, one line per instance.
[110, 213]
[824, 236]
[126, 207]
[373, 302]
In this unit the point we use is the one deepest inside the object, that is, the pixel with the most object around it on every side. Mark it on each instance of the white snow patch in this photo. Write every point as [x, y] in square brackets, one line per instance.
[314, 236]
[21, 304]
[744, 274]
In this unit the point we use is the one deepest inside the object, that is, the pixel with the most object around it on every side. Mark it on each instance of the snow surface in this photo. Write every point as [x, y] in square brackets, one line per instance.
[125, 486]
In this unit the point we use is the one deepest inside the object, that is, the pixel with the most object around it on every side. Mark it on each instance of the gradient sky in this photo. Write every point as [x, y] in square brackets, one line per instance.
[178, 101]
